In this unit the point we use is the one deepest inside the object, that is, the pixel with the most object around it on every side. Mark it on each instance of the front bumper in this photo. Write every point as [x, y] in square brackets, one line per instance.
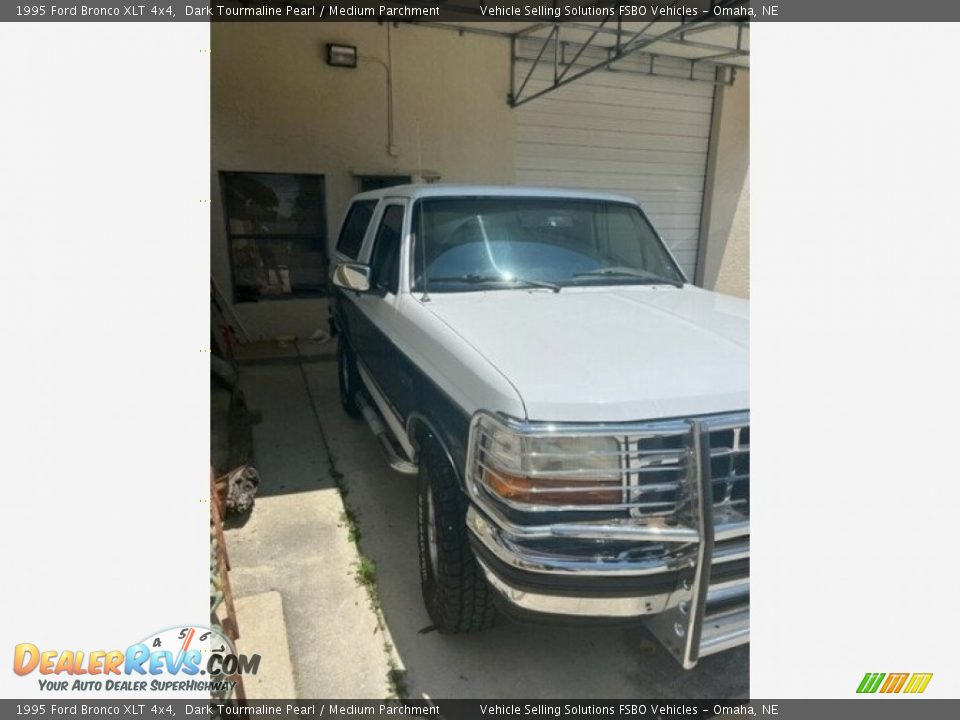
[690, 586]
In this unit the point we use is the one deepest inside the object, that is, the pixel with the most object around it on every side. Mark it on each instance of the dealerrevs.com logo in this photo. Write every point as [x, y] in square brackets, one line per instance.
[186, 658]
[890, 683]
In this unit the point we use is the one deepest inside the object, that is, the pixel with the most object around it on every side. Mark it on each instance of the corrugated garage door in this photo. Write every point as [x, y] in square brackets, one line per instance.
[624, 132]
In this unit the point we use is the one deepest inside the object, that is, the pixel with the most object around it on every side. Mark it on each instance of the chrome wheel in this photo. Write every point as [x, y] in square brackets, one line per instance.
[432, 548]
[345, 378]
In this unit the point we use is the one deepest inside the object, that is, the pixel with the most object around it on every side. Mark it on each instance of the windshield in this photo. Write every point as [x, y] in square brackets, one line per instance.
[471, 243]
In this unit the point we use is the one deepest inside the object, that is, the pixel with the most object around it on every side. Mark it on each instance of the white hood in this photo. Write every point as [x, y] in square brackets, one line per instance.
[610, 354]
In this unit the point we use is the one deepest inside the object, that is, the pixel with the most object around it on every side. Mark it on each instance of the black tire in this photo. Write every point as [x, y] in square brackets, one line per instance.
[349, 378]
[455, 591]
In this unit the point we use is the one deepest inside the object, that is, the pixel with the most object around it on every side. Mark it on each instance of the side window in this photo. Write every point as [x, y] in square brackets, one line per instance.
[355, 227]
[385, 261]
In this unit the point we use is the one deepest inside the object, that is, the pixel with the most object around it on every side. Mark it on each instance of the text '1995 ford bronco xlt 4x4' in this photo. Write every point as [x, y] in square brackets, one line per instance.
[577, 413]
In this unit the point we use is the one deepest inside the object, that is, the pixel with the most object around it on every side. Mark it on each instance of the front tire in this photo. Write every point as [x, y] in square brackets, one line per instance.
[455, 591]
[349, 378]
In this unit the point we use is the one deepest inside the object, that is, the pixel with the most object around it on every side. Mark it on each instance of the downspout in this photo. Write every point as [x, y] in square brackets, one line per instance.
[392, 149]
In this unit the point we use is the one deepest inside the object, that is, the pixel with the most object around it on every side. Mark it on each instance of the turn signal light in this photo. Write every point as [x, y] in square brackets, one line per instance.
[548, 491]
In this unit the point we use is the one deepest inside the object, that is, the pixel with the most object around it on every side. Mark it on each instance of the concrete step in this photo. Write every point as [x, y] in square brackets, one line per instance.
[263, 632]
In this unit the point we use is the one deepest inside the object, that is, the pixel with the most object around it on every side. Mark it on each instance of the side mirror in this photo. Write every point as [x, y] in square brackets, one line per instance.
[352, 276]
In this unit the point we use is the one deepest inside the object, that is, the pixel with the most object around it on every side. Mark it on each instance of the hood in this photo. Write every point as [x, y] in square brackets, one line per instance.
[610, 354]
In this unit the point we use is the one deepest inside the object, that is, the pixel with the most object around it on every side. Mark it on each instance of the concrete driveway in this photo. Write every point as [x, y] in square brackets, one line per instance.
[512, 660]
[294, 544]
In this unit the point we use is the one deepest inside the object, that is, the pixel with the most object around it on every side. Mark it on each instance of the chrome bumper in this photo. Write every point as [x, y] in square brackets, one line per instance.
[694, 597]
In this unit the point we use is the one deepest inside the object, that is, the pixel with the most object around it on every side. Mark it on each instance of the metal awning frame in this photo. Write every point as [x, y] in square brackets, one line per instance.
[627, 43]
[609, 42]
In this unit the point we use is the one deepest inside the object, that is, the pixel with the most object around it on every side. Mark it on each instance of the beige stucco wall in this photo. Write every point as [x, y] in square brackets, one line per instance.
[278, 107]
[725, 235]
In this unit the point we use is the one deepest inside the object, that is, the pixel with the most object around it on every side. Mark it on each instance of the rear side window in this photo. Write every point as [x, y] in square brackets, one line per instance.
[355, 227]
[385, 263]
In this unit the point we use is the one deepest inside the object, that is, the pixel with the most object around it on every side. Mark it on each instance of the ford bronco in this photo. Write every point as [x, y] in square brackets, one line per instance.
[577, 413]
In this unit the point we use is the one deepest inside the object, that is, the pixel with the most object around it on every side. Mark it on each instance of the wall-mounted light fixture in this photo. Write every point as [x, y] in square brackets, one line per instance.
[341, 55]
[347, 56]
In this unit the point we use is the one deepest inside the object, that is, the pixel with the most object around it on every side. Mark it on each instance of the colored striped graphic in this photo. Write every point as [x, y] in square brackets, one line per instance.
[894, 683]
[870, 682]
[918, 682]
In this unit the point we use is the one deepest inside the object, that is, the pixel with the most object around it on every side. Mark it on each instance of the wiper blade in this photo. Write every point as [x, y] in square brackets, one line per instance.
[478, 279]
[630, 273]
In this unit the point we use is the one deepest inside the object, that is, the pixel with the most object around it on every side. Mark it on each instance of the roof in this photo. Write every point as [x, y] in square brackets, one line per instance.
[414, 192]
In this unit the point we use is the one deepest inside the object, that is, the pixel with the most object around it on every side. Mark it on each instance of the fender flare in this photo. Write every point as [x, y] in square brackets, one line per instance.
[416, 422]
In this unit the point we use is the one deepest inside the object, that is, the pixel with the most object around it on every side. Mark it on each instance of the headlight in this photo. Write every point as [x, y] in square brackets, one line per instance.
[549, 469]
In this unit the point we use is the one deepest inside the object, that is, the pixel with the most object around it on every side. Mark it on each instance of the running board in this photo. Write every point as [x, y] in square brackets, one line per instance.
[379, 429]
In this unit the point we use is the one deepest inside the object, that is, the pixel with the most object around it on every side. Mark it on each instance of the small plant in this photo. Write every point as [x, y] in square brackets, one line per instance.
[348, 518]
[367, 573]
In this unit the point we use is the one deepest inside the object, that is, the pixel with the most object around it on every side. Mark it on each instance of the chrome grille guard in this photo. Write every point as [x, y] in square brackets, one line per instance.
[684, 485]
